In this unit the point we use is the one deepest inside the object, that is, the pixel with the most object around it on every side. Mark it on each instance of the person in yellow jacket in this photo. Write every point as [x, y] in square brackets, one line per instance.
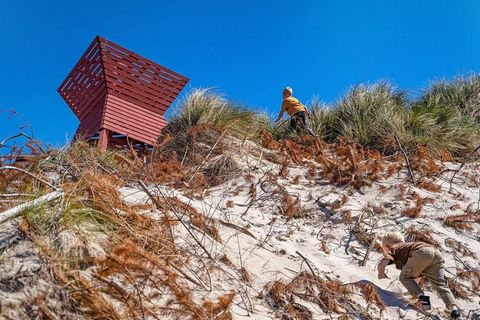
[296, 110]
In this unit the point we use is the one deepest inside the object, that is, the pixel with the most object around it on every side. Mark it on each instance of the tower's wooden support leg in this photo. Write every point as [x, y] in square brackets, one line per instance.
[103, 139]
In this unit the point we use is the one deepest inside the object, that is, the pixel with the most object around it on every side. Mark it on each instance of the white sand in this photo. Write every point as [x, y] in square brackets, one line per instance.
[272, 255]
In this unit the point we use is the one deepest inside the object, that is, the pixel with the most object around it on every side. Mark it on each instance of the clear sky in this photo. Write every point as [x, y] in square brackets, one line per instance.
[249, 50]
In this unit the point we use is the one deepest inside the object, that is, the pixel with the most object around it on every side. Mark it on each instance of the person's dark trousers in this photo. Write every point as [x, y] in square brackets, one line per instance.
[300, 118]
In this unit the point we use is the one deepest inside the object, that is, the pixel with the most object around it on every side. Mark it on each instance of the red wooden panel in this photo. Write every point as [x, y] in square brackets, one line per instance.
[142, 59]
[83, 80]
[112, 88]
[119, 71]
[143, 115]
[92, 122]
[132, 117]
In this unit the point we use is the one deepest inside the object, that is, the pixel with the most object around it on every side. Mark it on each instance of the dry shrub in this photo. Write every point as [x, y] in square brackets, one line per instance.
[473, 276]
[371, 295]
[416, 210]
[458, 289]
[458, 247]
[268, 141]
[425, 163]
[362, 236]
[230, 204]
[424, 235]
[202, 222]
[92, 300]
[462, 221]
[324, 247]
[252, 191]
[337, 204]
[281, 300]
[296, 179]
[330, 295]
[284, 169]
[428, 185]
[290, 206]
[245, 274]
[312, 171]
[221, 169]
[159, 289]
[344, 162]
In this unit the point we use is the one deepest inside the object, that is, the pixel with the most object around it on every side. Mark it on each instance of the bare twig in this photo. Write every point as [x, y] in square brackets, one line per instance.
[206, 158]
[30, 174]
[369, 249]
[306, 261]
[463, 164]
[21, 134]
[350, 237]
[409, 166]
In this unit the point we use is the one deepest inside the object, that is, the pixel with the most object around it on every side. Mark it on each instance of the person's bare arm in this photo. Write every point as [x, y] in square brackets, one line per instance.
[282, 110]
[381, 268]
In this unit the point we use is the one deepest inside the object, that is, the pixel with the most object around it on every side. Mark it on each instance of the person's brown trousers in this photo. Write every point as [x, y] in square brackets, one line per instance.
[427, 262]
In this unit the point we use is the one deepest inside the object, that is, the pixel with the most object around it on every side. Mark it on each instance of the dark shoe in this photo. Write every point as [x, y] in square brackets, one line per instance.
[424, 302]
[455, 314]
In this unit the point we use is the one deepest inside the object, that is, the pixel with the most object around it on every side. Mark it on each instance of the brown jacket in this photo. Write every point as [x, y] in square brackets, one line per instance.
[402, 251]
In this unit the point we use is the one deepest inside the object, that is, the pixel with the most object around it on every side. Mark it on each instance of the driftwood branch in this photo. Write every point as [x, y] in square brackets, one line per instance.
[30, 174]
[16, 211]
[409, 166]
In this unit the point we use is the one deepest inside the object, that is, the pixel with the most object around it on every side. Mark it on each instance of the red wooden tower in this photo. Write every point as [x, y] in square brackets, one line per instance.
[118, 96]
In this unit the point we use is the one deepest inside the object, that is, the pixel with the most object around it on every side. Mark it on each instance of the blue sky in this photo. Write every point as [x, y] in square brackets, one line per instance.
[248, 50]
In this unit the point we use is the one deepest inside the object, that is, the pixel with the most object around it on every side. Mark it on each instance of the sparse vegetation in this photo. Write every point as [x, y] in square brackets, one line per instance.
[122, 260]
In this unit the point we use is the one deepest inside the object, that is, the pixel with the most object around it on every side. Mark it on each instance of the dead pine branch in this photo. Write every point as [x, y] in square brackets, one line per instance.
[407, 161]
[17, 211]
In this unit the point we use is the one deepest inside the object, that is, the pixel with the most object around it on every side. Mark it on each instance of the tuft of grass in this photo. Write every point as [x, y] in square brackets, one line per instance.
[447, 116]
[372, 115]
[204, 107]
[321, 119]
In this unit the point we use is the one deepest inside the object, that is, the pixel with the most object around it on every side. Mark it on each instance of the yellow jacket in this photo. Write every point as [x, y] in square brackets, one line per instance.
[292, 106]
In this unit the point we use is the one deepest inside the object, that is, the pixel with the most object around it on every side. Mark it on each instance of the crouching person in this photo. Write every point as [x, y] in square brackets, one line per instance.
[417, 259]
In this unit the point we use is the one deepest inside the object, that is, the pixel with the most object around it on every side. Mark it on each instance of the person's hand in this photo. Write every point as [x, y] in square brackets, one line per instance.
[382, 275]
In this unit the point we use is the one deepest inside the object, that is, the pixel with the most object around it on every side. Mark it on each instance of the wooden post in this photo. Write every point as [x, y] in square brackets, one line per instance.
[103, 139]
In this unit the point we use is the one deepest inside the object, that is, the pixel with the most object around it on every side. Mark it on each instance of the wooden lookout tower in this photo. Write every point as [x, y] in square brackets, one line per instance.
[118, 96]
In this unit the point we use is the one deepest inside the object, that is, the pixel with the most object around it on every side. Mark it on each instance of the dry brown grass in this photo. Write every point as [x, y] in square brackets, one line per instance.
[462, 221]
[430, 186]
[329, 295]
[143, 272]
[424, 235]
[343, 163]
[371, 296]
[458, 247]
